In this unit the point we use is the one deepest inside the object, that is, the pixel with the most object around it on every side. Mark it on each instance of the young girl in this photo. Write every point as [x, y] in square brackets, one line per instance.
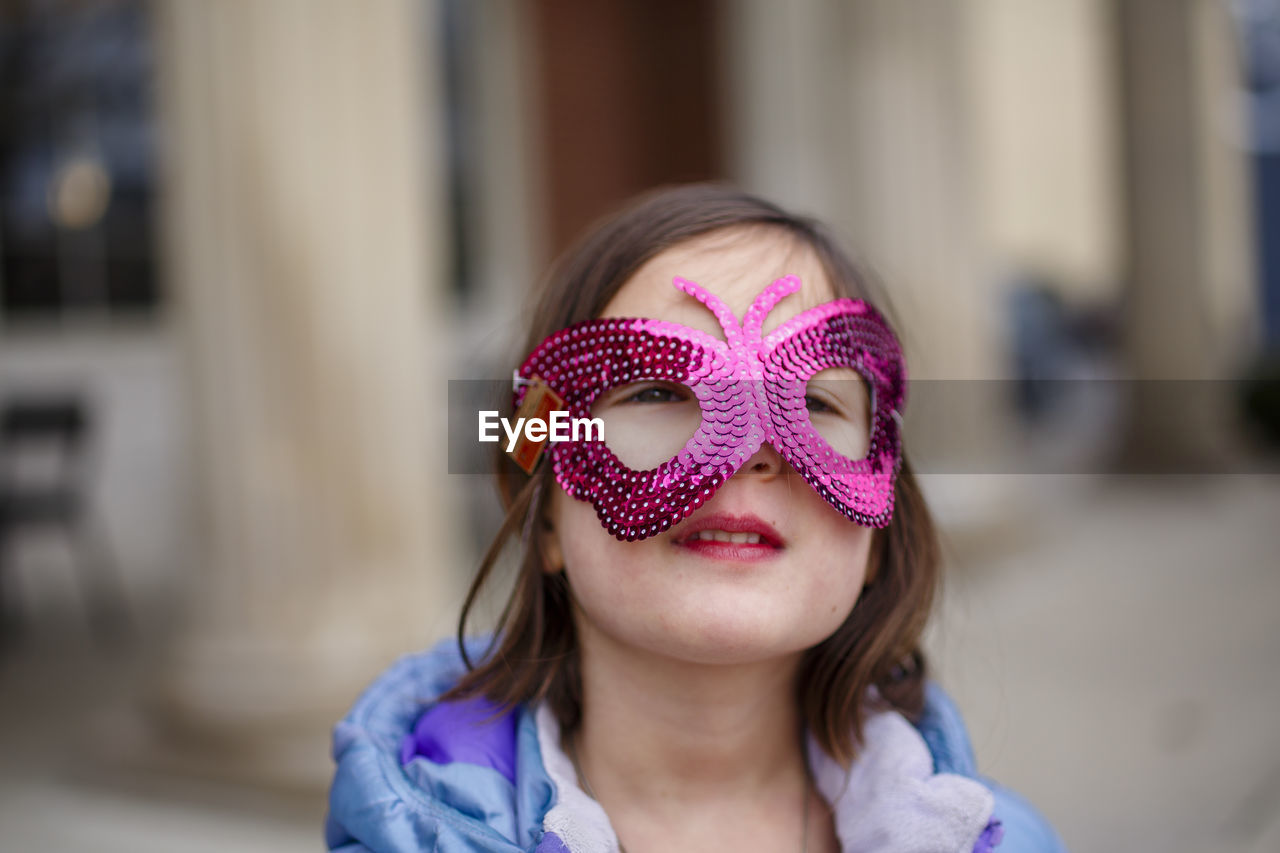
[713, 642]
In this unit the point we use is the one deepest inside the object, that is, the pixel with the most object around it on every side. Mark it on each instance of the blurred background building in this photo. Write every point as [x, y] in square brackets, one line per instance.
[245, 245]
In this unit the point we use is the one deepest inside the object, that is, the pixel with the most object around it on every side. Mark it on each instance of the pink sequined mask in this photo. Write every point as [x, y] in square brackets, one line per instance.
[750, 389]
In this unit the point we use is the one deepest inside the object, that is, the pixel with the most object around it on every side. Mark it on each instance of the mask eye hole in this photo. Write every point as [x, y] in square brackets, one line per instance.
[647, 422]
[838, 400]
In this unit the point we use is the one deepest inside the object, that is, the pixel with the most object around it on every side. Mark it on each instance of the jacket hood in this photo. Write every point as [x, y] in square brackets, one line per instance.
[414, 774]
[378, 803]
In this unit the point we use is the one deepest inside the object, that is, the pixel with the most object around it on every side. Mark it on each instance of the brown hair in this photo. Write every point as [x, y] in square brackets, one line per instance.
[535, 655]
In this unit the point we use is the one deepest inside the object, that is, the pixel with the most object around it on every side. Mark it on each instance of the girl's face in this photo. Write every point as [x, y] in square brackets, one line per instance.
[682, 594]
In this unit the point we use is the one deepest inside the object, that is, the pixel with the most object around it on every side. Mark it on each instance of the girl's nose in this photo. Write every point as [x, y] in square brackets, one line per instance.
[765, 462]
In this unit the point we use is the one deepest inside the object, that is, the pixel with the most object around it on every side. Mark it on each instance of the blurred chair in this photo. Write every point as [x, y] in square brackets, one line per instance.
[44, 485]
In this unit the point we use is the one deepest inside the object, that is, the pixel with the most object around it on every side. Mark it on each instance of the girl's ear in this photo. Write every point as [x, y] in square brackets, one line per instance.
[549, 543]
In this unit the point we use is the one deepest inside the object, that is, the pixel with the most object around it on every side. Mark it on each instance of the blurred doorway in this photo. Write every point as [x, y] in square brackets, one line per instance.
[630, 97]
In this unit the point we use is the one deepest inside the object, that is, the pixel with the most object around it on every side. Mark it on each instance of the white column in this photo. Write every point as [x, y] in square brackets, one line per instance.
[857, 111]
[783, 115]
[1045, 141]
[861, 112]
[304, 249]
[907, 193]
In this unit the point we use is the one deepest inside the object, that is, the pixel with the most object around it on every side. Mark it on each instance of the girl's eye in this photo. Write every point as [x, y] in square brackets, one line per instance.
[815, 405]
[655, 394]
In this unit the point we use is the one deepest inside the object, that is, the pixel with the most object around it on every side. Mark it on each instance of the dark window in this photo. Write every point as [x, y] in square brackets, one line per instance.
[77, 159]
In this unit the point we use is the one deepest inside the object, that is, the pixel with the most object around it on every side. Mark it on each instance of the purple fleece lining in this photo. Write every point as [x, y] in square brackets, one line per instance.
[467, 732]
[551, 843]
[990, 837]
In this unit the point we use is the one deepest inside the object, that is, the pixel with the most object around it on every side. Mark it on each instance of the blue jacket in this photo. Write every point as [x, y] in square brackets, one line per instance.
[488, 790]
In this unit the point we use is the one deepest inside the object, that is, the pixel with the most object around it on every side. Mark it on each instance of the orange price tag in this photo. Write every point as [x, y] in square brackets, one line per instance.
[539, 402]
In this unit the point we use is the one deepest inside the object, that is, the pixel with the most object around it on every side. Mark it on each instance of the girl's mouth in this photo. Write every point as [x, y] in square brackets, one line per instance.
[725, 536]
[730, 537]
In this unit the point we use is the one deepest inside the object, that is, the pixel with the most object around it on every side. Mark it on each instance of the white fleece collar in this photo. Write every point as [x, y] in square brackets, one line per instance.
[891, 800]
[579, 820]
[888, 800]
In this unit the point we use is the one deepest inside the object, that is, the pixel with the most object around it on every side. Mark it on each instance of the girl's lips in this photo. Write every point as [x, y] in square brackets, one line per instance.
[732, 551]
[762, 541]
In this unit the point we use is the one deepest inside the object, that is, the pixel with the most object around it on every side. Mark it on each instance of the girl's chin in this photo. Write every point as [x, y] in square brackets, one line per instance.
[706, 619]
[729, 641]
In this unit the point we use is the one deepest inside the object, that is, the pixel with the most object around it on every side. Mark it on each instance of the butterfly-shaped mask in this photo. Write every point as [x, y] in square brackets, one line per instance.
[648, 380]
